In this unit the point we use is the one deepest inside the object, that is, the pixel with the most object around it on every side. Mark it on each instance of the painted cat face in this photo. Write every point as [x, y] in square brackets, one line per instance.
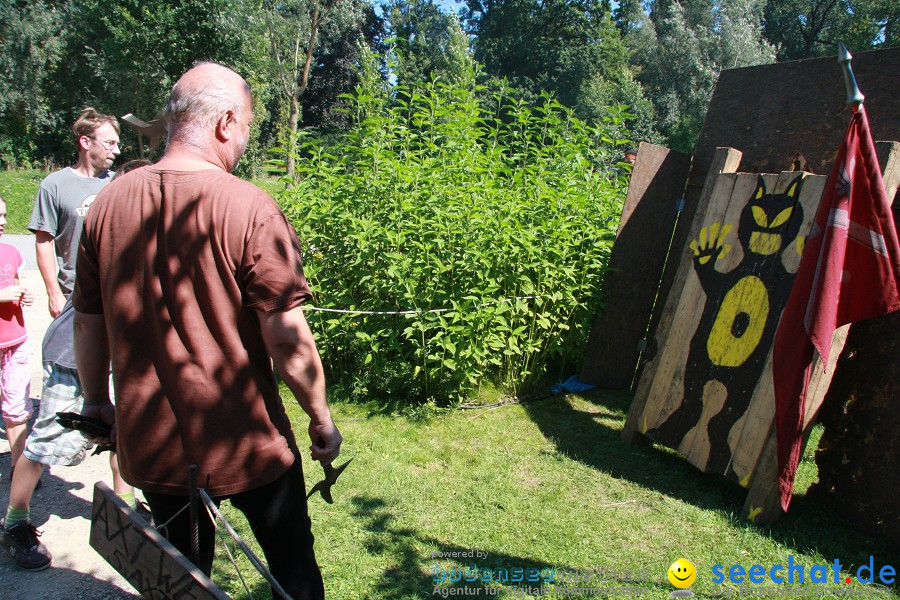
[770, 222]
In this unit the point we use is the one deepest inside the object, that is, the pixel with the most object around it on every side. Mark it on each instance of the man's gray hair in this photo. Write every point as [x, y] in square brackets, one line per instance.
[199, 105]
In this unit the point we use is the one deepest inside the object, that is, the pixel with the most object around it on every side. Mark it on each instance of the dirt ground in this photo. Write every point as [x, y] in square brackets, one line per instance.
[61, 509]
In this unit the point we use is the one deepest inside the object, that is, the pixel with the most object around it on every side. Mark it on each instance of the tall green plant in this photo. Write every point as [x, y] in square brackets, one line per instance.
[491, 226]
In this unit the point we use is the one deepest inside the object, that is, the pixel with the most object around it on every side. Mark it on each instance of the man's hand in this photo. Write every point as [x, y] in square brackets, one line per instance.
[45, 252]
[326, 441]
[56, 303]
[107, 414]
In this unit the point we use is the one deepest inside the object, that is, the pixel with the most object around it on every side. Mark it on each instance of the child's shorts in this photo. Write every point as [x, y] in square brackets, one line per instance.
[15, 384]
[49, 442]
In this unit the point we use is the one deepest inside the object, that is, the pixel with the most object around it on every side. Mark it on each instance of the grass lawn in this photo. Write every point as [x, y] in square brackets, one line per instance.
[19, 189]
[543, 485]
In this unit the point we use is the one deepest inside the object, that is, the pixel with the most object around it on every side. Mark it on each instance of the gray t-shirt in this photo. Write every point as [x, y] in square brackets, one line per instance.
[58, 346]
[62, 201]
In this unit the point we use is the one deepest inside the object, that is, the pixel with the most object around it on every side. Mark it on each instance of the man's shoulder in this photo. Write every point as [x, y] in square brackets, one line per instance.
[245, 194]
[56, 177]
[66, 177]
[244, 186]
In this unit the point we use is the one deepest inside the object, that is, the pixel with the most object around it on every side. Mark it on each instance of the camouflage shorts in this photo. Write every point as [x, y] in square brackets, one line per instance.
[49, 442]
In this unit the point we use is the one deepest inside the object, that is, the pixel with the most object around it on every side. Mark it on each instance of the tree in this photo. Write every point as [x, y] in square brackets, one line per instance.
[801, 28]
[31, 41]
[807, 28]
[571, 48]
[740, 35]
[638, 31]
[678, 76]
[427, 43]
[297, 30]
[337, 69]
[683, 49]
[123, 56]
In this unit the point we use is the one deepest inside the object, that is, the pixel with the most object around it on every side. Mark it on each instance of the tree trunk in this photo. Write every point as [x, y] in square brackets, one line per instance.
[295, 120]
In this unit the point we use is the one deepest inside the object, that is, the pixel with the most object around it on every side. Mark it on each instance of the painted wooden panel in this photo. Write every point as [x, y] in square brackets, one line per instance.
[708, 392]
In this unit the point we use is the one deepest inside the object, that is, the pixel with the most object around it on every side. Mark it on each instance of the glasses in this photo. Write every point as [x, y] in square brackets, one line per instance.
[108, 144]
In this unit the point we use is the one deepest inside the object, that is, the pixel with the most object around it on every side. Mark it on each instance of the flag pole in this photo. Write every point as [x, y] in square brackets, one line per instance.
[854, 96]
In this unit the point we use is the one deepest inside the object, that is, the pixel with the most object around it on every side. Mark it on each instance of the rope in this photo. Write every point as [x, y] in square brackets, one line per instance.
[237, 569]
[411, 312]
[216, 515]
[164, 528]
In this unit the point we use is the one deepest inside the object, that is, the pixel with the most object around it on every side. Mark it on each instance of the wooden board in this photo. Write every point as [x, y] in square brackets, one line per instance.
[789, 116]
[784, 116]
[635, 266]
[725, 161]
[147, 560]
[860, 445]
[708, 392]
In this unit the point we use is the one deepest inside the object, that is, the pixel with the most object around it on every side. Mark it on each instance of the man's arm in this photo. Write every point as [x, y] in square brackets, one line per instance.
[45, 252]
[92, 359]
[293, 350]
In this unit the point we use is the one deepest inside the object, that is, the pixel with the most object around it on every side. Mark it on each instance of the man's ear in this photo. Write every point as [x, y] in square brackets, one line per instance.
[84, 142]
[225, 125]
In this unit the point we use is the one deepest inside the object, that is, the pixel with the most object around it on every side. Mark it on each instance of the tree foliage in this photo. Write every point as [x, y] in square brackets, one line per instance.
[427, 43]
[807, 28]
[123, 56]
[659, 58]
[569, 47]
[304, 33]
[684, 45]
[31, 42]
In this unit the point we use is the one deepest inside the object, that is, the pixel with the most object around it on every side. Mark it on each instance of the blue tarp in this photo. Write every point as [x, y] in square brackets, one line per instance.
[572, 384]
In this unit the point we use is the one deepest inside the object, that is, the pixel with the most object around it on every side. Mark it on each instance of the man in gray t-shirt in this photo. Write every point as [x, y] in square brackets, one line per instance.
[63, 199]
[57, 220]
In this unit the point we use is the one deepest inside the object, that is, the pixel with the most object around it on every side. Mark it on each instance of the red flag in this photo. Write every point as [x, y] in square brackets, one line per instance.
[849, 272]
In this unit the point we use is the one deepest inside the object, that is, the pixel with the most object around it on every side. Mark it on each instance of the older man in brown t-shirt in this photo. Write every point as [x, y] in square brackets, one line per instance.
[190, 280]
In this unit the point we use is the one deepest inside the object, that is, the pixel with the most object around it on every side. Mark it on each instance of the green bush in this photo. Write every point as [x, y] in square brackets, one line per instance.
[497, 220]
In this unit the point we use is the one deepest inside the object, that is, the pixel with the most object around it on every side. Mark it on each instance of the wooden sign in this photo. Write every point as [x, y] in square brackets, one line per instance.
[708, 392]
[146, 559]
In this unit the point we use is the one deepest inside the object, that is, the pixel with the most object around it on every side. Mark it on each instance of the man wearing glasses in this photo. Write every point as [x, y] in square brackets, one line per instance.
[57, 220]
[63, 199]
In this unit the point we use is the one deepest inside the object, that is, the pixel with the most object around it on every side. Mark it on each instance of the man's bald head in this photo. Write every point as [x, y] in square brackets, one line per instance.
[201, 97]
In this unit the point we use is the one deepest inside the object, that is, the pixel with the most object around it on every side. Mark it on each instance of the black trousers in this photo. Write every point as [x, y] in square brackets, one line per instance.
[278, 516]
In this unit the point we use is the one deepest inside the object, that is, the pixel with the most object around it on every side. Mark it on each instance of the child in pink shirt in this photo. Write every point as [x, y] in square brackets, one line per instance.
[15, 375]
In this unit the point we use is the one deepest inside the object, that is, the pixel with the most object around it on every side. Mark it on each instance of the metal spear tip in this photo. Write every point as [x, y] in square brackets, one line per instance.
[844, 55]
[854, 96]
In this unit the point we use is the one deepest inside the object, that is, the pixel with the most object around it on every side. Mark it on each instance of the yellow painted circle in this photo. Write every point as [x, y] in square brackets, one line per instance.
[682, 573]
[740, 323]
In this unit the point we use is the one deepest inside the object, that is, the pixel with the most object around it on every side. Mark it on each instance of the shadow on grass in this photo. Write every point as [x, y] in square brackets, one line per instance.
[406, 577]
[807, 528]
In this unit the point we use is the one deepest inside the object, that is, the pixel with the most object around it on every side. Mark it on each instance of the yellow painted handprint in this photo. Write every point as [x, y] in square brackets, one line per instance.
[711, 243]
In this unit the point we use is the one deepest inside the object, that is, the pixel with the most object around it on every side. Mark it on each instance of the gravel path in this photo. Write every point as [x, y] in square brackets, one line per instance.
[61, 509]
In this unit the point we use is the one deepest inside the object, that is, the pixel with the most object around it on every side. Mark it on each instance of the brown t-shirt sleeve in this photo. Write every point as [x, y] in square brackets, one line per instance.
[271, 270]
[86, 296]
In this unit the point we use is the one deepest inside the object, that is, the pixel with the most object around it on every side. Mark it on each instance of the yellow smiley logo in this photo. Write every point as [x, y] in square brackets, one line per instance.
[682, 573]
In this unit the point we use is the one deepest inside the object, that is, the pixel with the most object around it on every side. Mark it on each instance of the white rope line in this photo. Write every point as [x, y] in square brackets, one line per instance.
[217, 516]
[237, 569]
[411, 312]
